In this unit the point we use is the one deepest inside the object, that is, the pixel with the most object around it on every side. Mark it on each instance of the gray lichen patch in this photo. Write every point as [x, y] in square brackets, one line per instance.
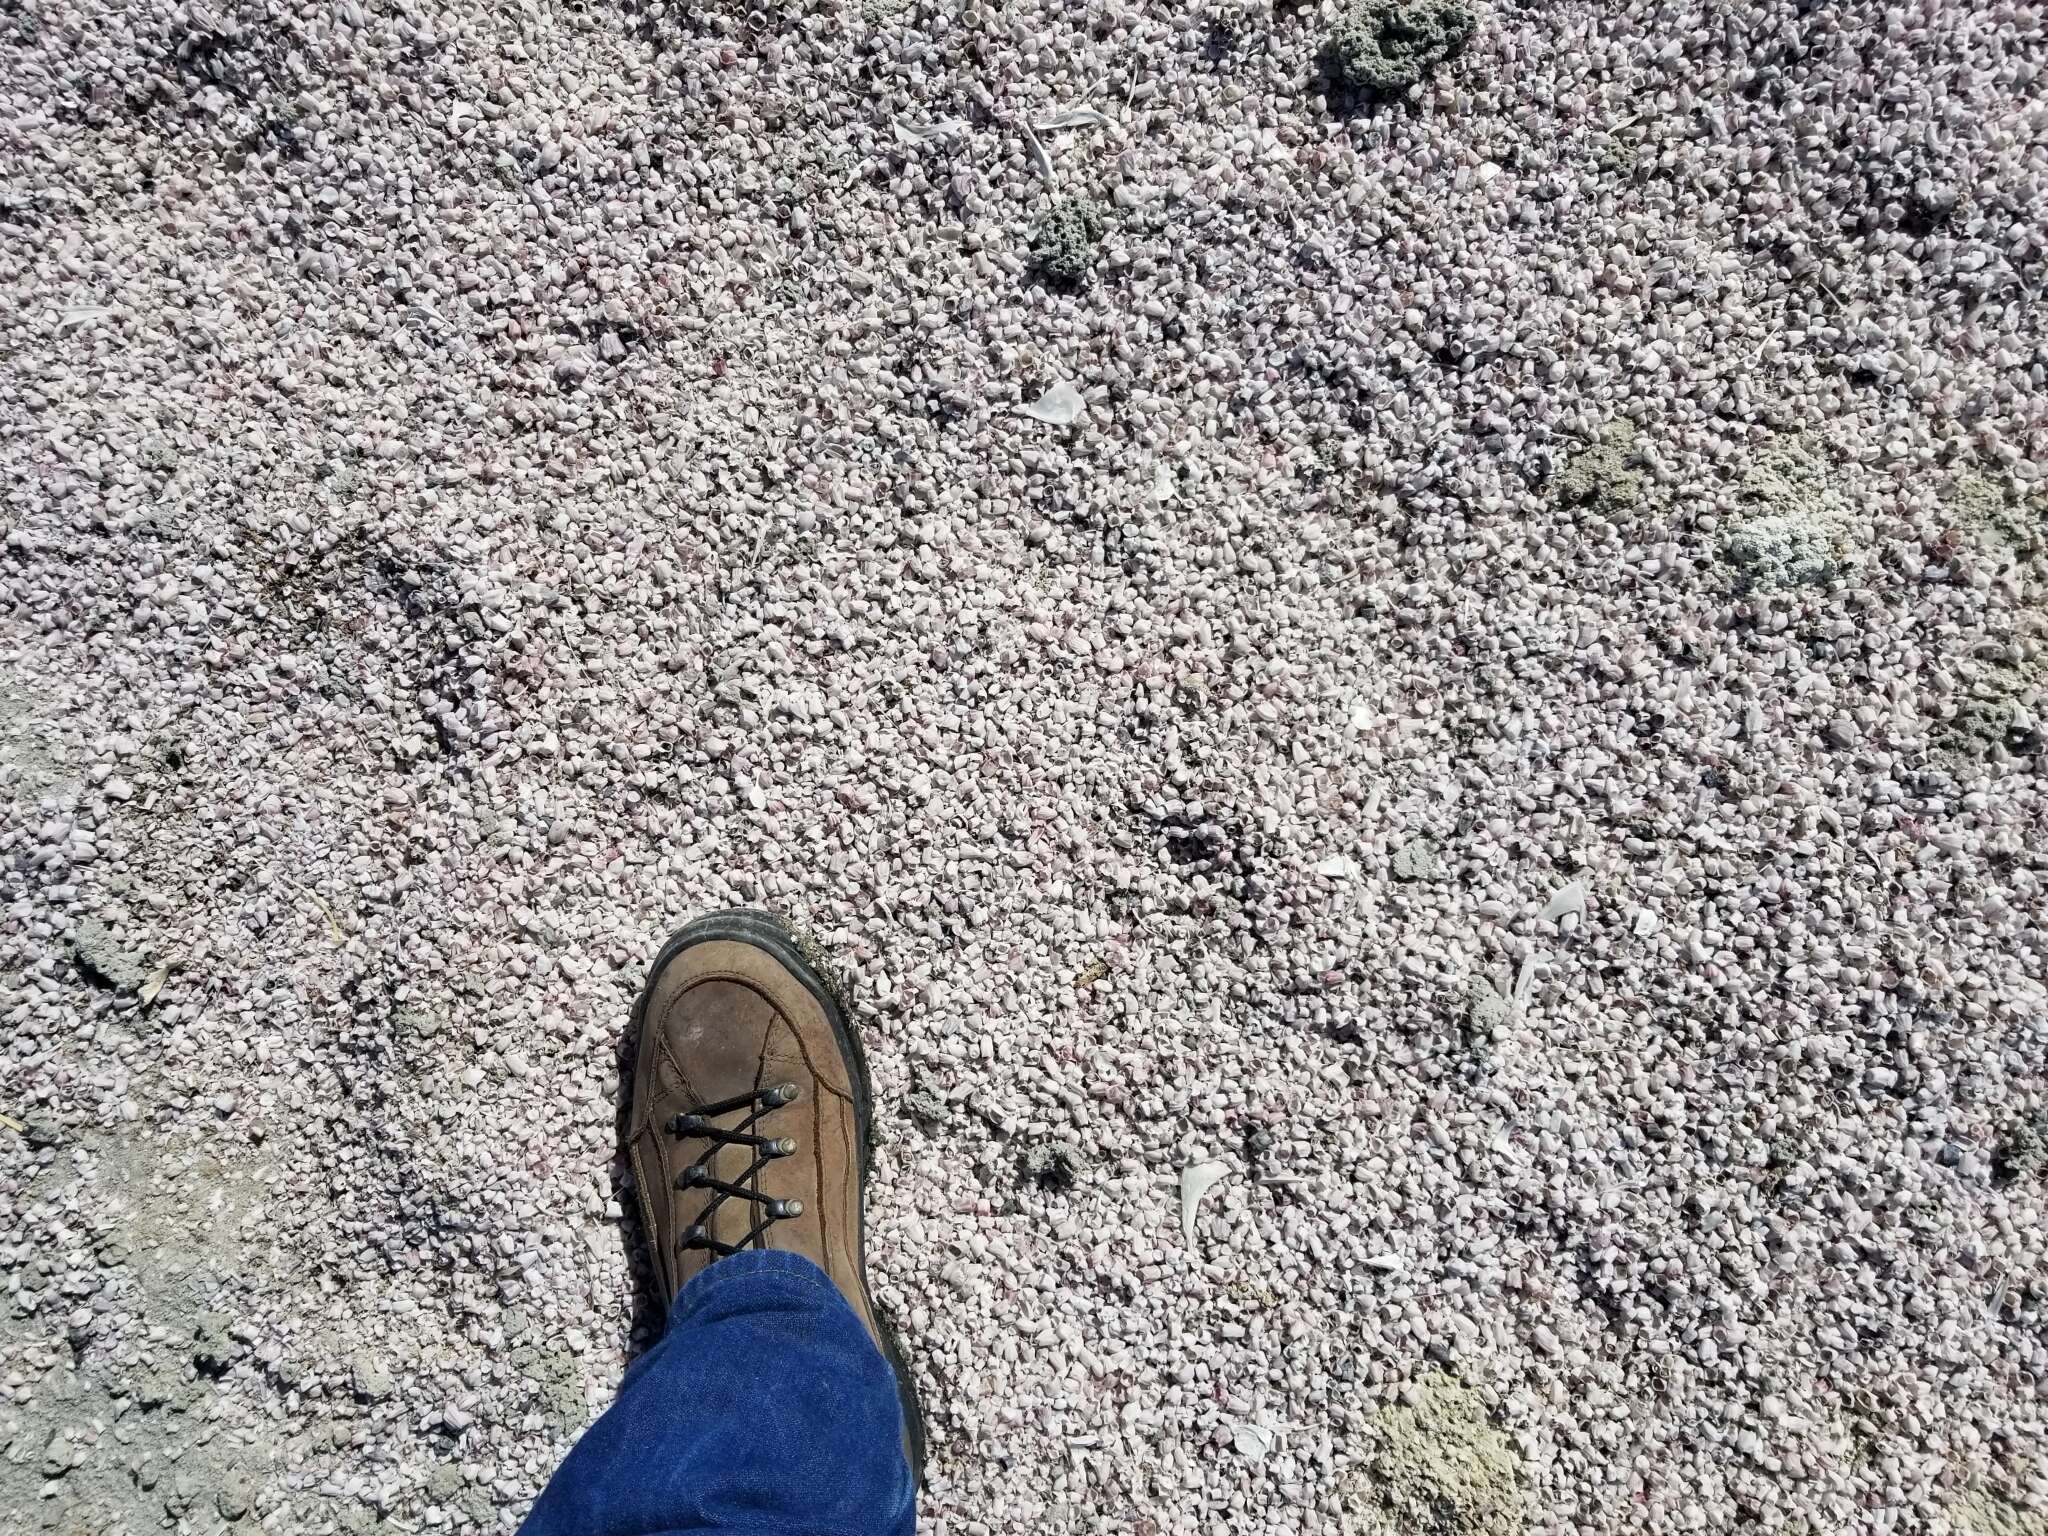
[1051, 1165]
[1442, 1467]
[2007, 525]
[31, 751]
[1065, 241]
[1605, 475]
[1998, 718]
[1989, 1514]
[1382, 47]
[369, 1378]
[131, 1441]
[1418, 860]
[106, 959]
[1793, 526]
[556, 1378]
[1484, 1013]
[2022, 1151]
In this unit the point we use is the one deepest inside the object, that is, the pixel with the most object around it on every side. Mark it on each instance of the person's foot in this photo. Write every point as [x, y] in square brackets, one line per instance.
[749, 1116]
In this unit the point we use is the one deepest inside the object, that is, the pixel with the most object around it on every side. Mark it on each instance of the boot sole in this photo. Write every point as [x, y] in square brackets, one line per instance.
[770, 932]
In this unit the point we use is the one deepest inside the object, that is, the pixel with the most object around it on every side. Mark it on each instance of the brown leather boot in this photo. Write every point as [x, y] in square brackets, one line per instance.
[749, 1120]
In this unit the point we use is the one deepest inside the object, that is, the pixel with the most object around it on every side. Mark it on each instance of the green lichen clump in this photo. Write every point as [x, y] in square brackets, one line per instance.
[1603, 475]
[1063, 246]
[1382, 47]
[1442, 1468]
[1793, 528]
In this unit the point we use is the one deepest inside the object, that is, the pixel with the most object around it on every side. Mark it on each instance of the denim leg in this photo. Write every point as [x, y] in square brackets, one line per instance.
[765, 1409]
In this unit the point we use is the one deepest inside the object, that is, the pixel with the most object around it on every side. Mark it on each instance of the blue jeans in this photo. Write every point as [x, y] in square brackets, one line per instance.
[765, 1408]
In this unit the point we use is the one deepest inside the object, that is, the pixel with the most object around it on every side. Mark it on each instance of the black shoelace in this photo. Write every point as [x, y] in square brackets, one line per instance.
[766, 1148]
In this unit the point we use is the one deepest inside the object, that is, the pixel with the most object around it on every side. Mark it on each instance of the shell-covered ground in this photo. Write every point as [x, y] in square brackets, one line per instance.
[1460, 663]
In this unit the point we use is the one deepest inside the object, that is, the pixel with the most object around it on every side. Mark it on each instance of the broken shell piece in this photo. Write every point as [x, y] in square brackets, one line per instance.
[1196, 1180]
[1060, 406]
[941, 132]
[1070, 117]
[1525, 983]
[1254, 1442]
[1570, 901]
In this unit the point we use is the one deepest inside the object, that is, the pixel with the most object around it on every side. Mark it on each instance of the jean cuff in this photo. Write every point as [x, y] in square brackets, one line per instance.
[763, 1271]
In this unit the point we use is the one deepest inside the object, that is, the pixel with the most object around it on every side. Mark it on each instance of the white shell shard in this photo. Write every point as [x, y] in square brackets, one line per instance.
[1070, 117]
[1568, 901]
[943, 131]
[1196, 1180]
[1060, 406]
[1254, 1441]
